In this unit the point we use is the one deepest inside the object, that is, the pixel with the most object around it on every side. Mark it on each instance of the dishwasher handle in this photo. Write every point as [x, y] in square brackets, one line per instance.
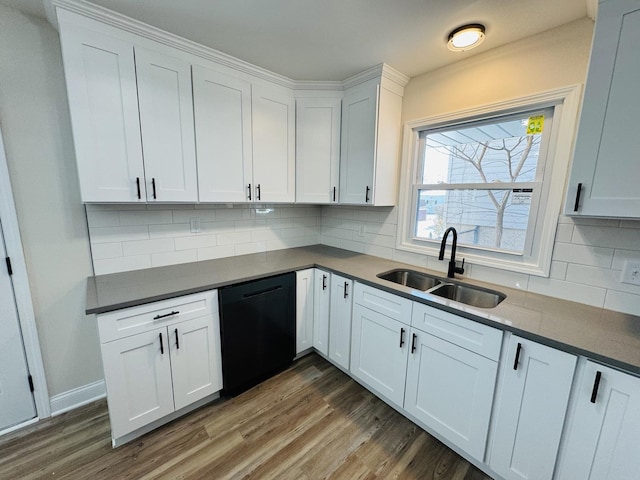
[262, 292]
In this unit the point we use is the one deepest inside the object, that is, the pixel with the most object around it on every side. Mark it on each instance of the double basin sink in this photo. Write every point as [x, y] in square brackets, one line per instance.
[467, 294]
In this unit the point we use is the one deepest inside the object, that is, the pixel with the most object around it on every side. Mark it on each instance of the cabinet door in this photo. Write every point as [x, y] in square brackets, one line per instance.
[606, 156]
[340, 320]
[137, 372]
[273, 133]
[304, 310]
[379, 348]
[357, 155]
[450, 390]
[321, 302]
[222, 106]
[533, 398]
[604, 433]
[196, 362]
[166, 121]
[317, 149]
[103, 102]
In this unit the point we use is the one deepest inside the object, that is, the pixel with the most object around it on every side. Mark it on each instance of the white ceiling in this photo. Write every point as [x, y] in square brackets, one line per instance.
[333, 39]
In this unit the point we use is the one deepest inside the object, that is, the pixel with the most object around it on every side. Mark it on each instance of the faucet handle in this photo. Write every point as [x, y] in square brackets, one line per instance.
[460, 269]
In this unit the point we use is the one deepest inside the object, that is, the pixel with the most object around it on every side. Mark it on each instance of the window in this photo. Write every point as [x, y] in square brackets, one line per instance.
[496, 175]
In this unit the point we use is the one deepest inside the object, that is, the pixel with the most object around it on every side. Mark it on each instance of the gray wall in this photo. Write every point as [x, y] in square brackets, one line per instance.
[35, 124]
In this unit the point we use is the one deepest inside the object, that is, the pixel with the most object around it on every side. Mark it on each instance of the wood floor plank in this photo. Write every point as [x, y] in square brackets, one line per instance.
[310, 422]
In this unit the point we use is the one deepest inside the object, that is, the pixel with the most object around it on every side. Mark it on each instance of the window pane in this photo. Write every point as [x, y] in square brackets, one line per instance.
[485, 218]
[486, 153]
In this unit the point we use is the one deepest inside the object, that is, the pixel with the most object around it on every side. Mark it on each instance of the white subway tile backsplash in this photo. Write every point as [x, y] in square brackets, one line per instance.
[222, 251]
[102, 218]
[623, 302]
[248, 248]
[564, 232]
[558, 270]
[118, 234]
[185, 216]
[225, 214]
[169, 231]
[146, 217]
[121, 264]
[583, 254]
[600, 277]
[173, 258]
[621, 256]
[101, 251]
[232, 238]
[623, 238]
[568, 291]
[141, 247]
[195, 241]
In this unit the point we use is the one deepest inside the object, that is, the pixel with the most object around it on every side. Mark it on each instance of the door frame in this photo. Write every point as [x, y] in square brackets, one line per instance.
[22, 291]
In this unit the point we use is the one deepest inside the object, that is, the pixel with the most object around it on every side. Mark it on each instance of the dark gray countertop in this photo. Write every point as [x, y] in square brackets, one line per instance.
[604, 335]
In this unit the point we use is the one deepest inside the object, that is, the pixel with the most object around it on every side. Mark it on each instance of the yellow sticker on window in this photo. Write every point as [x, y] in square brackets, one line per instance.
[535, 124]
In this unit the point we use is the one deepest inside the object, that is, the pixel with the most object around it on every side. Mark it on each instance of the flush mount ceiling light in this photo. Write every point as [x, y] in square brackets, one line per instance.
[466, 37]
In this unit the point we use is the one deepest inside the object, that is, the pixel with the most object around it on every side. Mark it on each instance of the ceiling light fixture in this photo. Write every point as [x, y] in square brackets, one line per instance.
[466, 37]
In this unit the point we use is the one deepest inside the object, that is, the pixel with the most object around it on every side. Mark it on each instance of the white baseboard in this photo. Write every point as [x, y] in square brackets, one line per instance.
[63, 402]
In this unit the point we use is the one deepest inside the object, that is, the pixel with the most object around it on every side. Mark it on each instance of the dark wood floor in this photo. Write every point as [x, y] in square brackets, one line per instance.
[310, 422]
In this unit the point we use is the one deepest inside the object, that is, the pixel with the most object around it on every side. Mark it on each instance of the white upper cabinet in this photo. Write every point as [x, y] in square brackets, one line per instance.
[166, 121]
[103, 102]
[371, 124]
[273, 134]
[317, 149]
[222, 107]
[606, 166]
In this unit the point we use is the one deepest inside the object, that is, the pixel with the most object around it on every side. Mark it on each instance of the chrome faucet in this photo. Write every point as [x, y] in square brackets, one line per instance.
[452, 262]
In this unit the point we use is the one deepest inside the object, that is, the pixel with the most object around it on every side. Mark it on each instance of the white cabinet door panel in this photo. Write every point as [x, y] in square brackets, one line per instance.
[603, 437]
[379, 349]
[450, 390]
[321, 302]
[340, 320]
[317, 149]
[273, 132]
[532, 405]
[393, 306]
[166, 120]
[196, 361]
[137, 373]
[103, 102]
[222, 107]
[304, 309]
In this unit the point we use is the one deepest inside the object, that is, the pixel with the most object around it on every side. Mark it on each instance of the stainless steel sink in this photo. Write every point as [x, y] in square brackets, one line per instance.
[470, 295]
[411, 279]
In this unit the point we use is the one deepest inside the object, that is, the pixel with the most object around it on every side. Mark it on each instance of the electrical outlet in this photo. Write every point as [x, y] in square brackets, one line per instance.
[631, 272]
[195, 225]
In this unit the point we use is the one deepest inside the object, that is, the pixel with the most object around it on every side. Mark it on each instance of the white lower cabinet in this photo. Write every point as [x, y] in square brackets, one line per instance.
[340, 320]
[451, 375]
[304, 309]
[603, 433]
[321, 305]
[161, 360]
[532, 398]
[379, 349]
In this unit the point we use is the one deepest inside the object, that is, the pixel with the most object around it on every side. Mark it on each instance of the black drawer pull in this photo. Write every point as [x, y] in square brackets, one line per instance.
[401, 337]
[262, 292]
[575, 207]
[249, 188]
[161, 345]
[138, 187]
[258, 191]
[324, 282]
[346, 291]
[158, 317]
[517, 360]
[153, 184]
[413, 343]
[177, 340]
[596, 386]
[366, 195]
[334, 194]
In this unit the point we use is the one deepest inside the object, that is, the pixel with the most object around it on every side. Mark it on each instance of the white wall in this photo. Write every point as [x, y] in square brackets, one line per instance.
[588, 253]
[133, 237]
[35, 124]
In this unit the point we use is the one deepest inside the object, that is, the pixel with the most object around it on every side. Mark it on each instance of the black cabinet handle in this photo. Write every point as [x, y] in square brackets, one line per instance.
[401, 337]
[596, 385]
[161, 345]
[138, 187]
[258, 191]
[413, 342]
[174, 312]
[153, 184]
[249, 188]
[334, 194]
[518, 350]
[346, 292]
[366, 195]
[577, 204]
[177, 340]
[324, 282]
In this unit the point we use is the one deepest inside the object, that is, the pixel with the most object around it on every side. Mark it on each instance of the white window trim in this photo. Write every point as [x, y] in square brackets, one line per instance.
[567, 102]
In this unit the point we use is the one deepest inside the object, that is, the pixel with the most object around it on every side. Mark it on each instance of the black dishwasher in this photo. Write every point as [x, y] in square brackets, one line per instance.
[258, 329]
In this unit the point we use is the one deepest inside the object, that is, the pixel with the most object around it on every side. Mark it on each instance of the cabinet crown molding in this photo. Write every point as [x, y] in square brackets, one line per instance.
[55, 8]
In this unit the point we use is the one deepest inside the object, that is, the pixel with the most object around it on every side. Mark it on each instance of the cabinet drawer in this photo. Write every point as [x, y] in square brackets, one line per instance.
[388, 304]
[463, 332]
[130, 321]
